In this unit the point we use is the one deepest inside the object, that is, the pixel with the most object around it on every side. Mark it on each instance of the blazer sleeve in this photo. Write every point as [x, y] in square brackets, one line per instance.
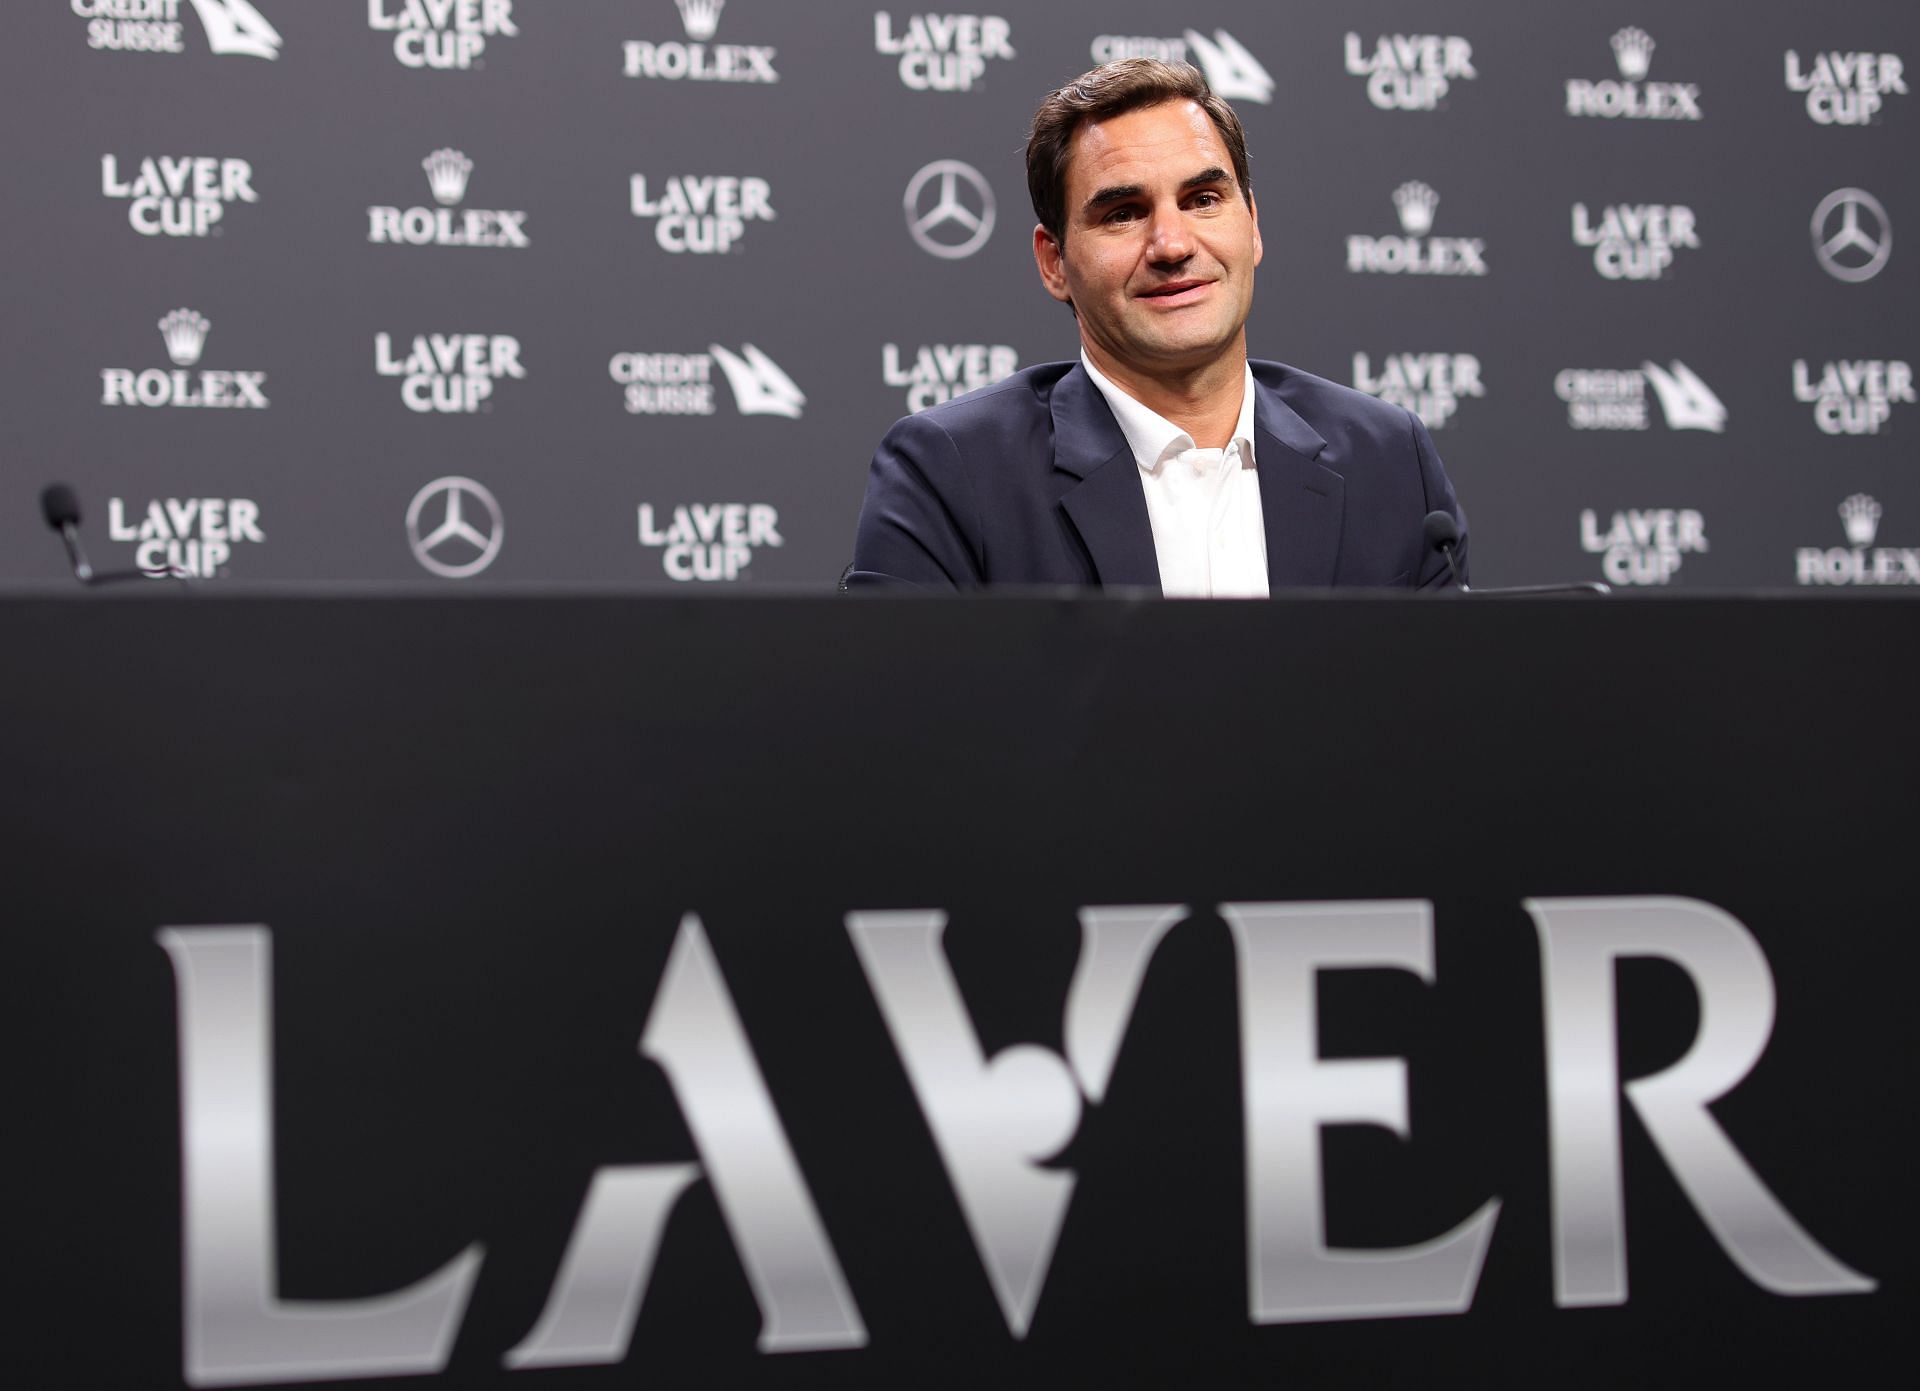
[919, 525]
[1438, 492]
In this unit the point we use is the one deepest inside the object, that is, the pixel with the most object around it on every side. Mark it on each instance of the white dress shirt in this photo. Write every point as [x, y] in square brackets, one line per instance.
[1204, 504]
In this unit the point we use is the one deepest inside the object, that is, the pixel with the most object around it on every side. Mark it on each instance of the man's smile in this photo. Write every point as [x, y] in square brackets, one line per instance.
[1176, 293]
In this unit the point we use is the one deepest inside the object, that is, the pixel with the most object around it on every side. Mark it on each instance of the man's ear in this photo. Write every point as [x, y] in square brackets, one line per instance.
[1253, 211]
[1053, 270]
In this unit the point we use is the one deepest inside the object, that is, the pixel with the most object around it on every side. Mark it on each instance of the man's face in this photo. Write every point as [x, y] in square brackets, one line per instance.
[1159, 245]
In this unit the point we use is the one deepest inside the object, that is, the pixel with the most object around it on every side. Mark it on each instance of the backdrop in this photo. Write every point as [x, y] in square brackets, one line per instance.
[623, 292]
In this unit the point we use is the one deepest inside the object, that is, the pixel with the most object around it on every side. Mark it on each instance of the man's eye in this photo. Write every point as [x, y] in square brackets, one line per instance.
[1206, 199]
[1120, 215]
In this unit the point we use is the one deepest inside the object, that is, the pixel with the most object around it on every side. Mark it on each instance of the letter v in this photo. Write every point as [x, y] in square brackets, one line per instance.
[996, 1121]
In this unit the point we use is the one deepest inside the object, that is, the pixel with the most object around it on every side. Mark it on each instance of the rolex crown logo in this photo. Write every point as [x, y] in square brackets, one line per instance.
[1416, 202]
[1633, 51]
[701, 17]
[447, 172]
[1860, 515]
[185, 333]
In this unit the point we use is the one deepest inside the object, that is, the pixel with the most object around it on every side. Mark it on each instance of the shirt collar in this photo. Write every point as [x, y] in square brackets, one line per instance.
[1151, 436]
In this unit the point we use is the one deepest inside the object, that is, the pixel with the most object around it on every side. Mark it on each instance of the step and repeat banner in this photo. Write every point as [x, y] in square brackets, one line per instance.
[623, 292]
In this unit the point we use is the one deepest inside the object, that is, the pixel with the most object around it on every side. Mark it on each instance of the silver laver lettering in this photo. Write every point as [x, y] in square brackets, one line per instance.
[996, 1120]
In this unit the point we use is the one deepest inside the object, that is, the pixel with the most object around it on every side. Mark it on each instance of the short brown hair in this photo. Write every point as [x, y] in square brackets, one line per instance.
[1113, 89]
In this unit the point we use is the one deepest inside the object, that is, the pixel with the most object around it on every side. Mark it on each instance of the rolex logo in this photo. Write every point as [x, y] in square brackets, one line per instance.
[701, 17]
[1860, 515]
[186, 334]
[1633, 51]
[447, 172]
[1416, 203]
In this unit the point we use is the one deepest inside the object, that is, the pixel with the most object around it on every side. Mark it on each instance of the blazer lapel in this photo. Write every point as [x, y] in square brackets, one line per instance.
[1302, 502]
[1108, 507]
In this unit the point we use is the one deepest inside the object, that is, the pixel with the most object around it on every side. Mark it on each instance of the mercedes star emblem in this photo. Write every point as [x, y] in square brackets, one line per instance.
[943, 222]
[1853, 246]
[465, 527]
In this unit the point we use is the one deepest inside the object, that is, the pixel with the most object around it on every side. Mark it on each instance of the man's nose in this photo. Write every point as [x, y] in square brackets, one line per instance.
[1169, 238]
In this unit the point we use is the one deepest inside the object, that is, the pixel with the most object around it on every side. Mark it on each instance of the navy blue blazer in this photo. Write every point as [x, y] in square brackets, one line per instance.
[1029, 481]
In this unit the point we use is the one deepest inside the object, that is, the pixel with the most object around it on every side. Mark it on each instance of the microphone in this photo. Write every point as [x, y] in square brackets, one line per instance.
[1443, 535]
[62, 510]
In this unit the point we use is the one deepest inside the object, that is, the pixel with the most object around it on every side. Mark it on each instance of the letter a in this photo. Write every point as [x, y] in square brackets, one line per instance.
[694, 1034]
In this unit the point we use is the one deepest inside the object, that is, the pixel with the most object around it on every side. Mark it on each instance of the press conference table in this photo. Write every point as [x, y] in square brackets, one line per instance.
[477, 858]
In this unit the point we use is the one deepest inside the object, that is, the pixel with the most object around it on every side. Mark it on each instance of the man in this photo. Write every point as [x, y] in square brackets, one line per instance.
[1162, 459]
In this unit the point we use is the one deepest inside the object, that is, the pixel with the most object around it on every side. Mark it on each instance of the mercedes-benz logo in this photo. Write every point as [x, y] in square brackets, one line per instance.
[457, 545]
[935, 205]
[1855, 245]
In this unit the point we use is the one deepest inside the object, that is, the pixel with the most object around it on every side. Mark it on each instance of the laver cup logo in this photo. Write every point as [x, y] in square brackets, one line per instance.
[446, 34]
[705, 214]
[177, 195]
[708, 542]
[698, 60]
[942, 52]
[448, 373]
[1846, 89]
[1431, 385]
[1643, 546]
[1410, 72]
[936, 372]
[448, 172]
[1635, 241]
[191, 536]
[154, 26]
[184, 331]
[1853, 396]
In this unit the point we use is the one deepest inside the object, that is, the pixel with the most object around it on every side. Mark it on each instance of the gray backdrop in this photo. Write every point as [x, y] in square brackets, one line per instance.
[290, 260]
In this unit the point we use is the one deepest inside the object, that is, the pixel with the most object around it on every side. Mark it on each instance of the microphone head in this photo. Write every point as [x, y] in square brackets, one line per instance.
[1441, 529]
[59, 506]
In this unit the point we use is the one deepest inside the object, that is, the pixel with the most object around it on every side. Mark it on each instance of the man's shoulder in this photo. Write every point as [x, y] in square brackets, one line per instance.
[991, 407]
[1319, 401]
